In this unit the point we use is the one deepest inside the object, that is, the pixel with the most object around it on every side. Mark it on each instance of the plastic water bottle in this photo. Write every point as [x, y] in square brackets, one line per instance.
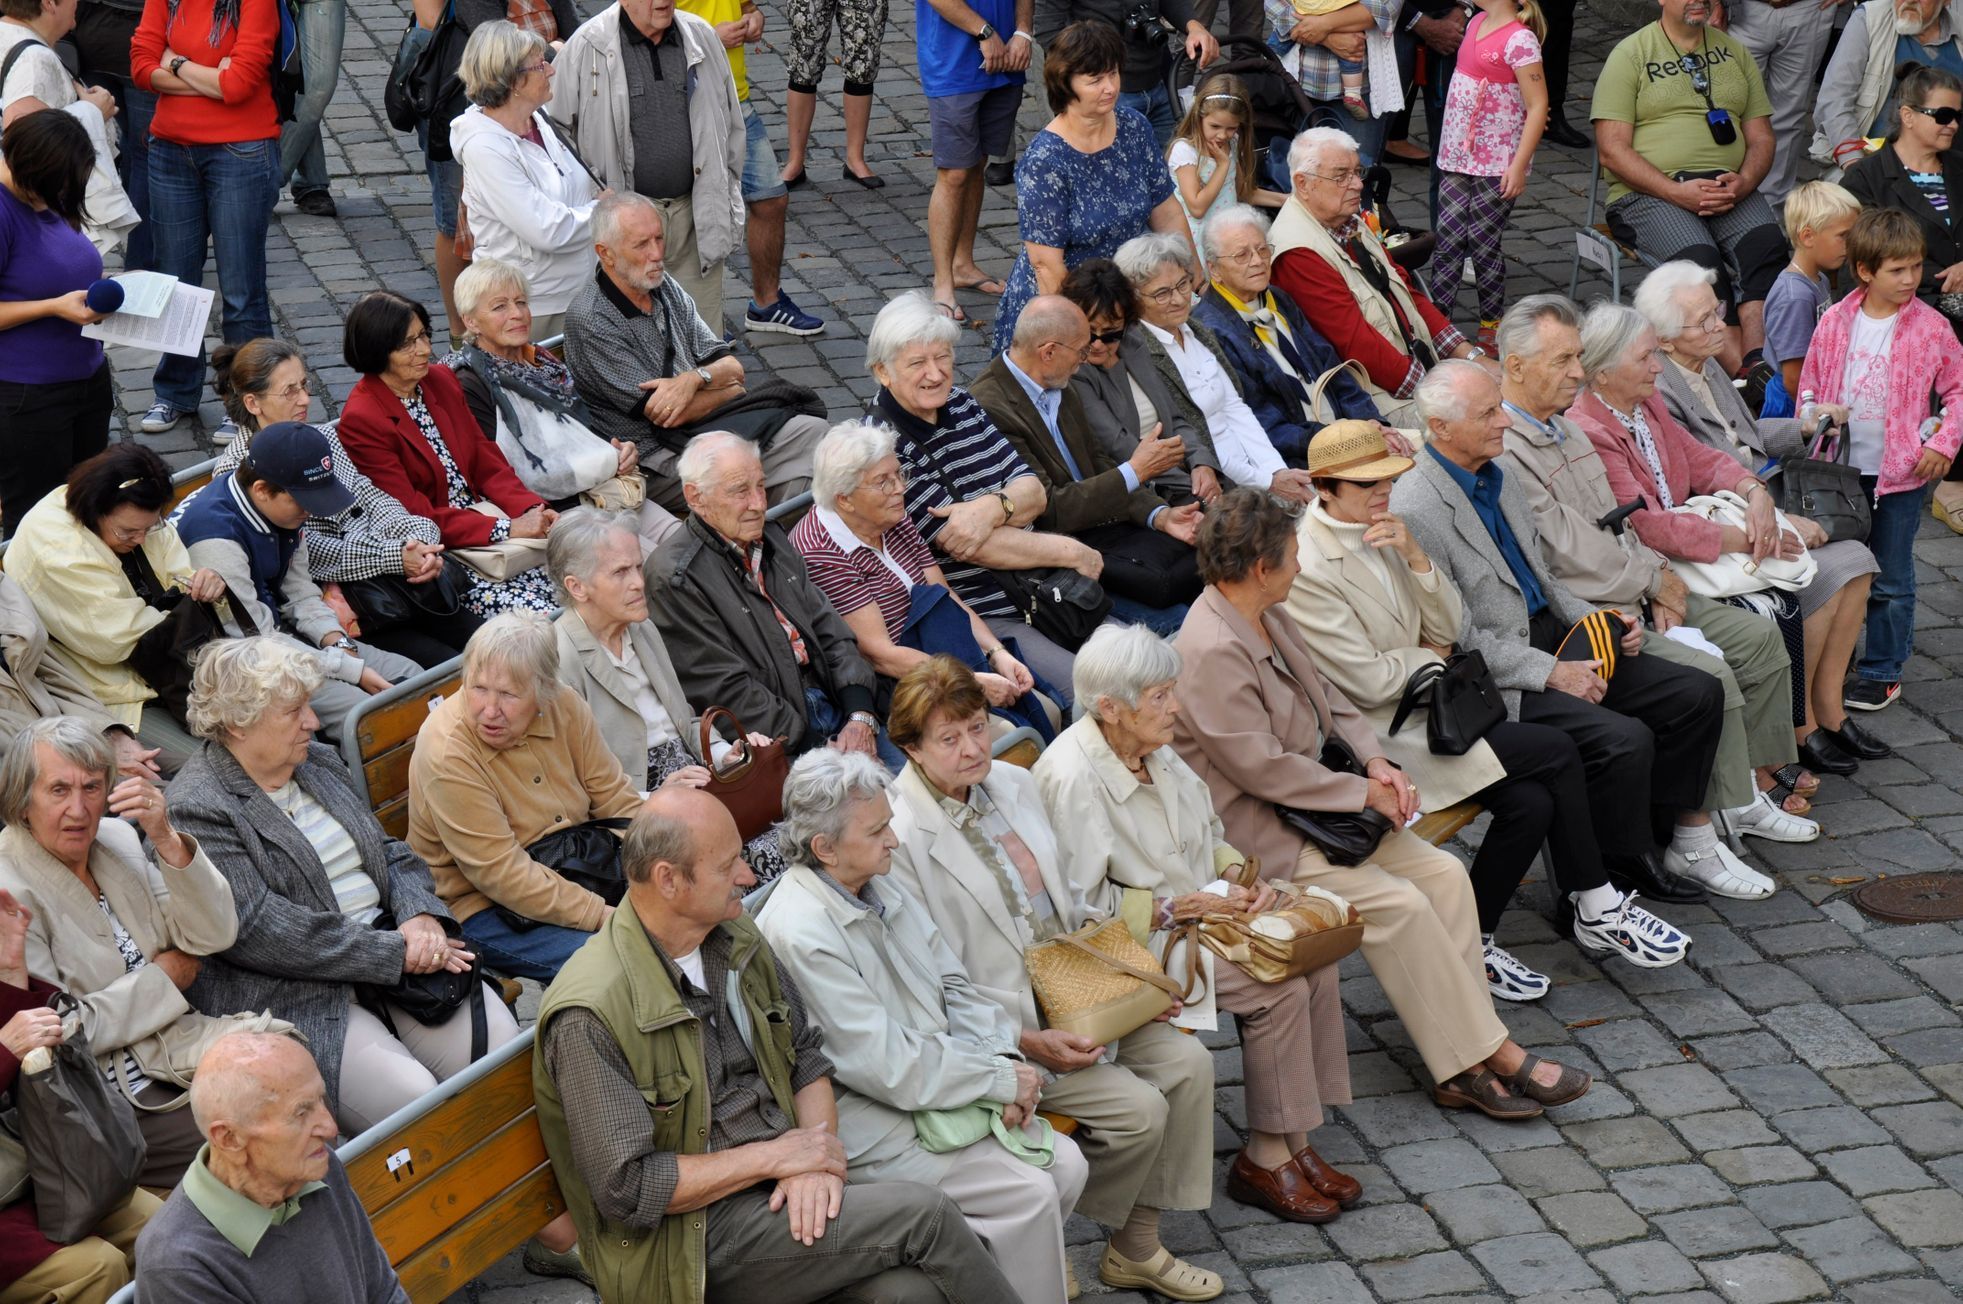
[1808, 410]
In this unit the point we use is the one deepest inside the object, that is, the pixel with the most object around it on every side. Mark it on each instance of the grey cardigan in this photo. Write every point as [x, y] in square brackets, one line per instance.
[1768, 437]
[296, 953]
[585, 667]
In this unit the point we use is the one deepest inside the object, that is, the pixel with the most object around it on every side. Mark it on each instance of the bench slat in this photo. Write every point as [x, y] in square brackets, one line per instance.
[397, 723]
[480, 1240]
[426, 1214]
[388, 775]
[439, 1137]
[1439, 826]
[394, 818]
[1024, 754]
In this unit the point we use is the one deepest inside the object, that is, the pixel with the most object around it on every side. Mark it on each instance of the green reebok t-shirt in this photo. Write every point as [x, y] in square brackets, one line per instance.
[1645, 82]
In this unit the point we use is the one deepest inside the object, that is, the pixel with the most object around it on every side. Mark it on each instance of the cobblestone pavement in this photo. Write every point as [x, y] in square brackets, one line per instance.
[1780, 1118]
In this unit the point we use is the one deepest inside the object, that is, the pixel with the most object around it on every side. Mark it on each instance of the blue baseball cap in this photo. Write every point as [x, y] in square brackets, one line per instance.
[297, 458]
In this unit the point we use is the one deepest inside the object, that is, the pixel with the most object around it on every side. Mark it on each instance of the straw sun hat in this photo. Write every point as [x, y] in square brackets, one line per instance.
[1353, 450]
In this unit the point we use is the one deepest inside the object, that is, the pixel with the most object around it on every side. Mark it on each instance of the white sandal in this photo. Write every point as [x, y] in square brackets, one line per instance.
[1720, 873]
[1762, 819]
[1163, 1274]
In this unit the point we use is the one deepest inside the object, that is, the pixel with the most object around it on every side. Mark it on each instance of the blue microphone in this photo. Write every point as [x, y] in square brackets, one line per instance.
[105, 296]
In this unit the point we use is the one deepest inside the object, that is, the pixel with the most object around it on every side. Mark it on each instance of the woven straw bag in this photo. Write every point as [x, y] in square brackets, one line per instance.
[1098, 982]
[1304, 930]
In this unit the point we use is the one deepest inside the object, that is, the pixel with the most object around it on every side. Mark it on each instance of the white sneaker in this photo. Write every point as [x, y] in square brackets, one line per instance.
[1720, 873]
[1762, 819]
[1509, 980]
[1632, 933]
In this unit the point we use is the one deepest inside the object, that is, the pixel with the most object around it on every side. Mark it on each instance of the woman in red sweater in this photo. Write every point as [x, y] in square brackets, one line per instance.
[214, 165]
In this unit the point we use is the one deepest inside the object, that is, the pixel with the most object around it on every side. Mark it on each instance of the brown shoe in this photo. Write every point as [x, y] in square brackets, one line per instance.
[1573, 1084]
[1285, 1192]
[1480, 1088]
[1328, 1182]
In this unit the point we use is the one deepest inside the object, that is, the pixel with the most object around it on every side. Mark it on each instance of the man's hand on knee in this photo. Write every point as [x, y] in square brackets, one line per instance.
[811, 1200]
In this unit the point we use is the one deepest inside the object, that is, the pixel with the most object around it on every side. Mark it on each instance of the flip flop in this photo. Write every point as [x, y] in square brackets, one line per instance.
[953, 310]
[982, 285]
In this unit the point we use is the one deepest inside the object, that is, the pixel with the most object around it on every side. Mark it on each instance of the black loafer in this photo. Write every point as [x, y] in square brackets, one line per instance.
[869, 181]
[1565, 135]
[1823, 754]
[1647, 877]
[1857, 741]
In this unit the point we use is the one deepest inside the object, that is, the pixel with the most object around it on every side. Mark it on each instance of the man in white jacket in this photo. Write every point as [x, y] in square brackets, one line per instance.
[681, 144]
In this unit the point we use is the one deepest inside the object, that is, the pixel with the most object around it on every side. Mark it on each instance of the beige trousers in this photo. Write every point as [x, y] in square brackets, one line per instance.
[1293, 1054]
[93, 1268]
[1018, 1210]
[380, 1073]
[1145, 1124]
[1757, 674]
[1421, 939]
[684, 260]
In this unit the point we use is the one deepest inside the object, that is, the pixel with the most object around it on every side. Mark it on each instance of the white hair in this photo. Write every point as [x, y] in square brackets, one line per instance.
[484, 277]
[1659, 297]
[848, 450]
[1441, 394]
[72, 739]
[1118, 663]
[1305, 153]
[494, 58]
[1519, 330]
[908, 320]
[572, 549]
[1141, 257]
[1608, 332]
[1233, 217]
[611, 208]
[522, 643]
[819, 795]
[699, 460]
[238, 680]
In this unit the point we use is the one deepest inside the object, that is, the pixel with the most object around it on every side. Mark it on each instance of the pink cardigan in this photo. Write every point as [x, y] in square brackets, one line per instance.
[1691, 468]
[1924, 358]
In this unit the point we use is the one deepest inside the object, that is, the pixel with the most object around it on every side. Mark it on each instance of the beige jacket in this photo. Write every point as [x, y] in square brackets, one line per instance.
[585, 667]
[34, 684]
[1366, 639]
[1125, 842]
[473, 810]
[94, 617]
[1568, 488]
[904, 1028]
[935, 866]
[70, 944]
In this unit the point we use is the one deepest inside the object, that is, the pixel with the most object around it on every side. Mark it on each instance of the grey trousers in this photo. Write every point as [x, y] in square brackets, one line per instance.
[1758, 704]
[786, 465]
[892, 1243]
[1787, 44]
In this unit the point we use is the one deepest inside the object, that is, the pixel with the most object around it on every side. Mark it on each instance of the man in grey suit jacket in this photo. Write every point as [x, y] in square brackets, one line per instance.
[1648, 731]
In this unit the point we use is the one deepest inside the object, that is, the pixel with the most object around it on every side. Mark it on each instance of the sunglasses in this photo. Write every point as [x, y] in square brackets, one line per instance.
[1108, 337]
[1945, 116]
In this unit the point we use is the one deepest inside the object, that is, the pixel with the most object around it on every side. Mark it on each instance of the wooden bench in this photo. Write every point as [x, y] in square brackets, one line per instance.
[1018, 747]
[379, 739]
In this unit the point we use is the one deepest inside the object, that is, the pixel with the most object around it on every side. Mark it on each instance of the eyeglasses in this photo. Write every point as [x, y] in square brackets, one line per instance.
[291, 393]
[1347, 177]
[1082, 351]
[121, 535]
[895, 483]
[1167, 295]
[1945, 116]
[1260, 253]
[414, 342]
[1108, 337]
[540, 66]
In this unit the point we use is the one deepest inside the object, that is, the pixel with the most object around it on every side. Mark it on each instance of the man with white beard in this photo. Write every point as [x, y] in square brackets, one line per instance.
[1857, 97]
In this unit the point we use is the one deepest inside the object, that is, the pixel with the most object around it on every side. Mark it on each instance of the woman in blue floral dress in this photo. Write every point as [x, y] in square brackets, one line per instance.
[1091, 180]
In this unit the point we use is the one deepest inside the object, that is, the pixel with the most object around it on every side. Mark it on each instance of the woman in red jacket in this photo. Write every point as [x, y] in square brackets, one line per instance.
[407, 428]
[214, 165]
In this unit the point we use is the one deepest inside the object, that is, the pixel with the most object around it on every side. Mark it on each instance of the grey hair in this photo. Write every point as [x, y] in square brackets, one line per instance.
[819, 795]
[655, 836]
[573, 547]
[1656, 298]
[1118, 663]
[698, 460]
[1608, 332]
[73, 739]
[1141, 257]
[523, 643]
[480, 280]
[908, 320]
[1440, 396]
[1519, 330]
[494, 58]
[613, 207]
[848, 450]
[237, 680]
[1231, 218]
[1306, 151]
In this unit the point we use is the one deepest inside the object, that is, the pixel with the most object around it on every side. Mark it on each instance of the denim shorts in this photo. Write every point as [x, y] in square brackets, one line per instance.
[762, 178]
[445, 185]
[970, 128]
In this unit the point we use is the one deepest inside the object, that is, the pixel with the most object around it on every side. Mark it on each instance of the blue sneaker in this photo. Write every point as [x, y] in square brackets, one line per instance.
[161, 417]
[783, 316]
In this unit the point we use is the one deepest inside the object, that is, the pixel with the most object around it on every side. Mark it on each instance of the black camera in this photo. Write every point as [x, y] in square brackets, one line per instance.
[1142, 23]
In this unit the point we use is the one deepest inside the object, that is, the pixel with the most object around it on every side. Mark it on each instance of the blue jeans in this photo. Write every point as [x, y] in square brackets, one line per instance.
[537, 953]
[223, 194]
[1156, 106]
[1891, 600]
[137, 107]
[823, 721]
[323, 24]
[1163, 621]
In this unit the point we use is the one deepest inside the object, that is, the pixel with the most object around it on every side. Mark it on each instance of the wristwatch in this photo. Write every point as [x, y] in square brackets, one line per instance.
[702, 374]
[177, 63]
[866, 718]
[1008, 506]
[987, 30]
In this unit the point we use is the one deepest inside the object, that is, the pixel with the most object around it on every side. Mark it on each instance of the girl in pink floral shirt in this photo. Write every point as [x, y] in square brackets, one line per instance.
[1495, 112]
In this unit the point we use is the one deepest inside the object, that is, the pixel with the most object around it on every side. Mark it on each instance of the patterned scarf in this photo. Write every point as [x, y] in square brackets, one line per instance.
[543, 379]
[1638, 427]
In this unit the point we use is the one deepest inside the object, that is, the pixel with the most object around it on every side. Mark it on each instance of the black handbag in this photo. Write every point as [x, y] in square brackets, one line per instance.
[1461, 702]
[166, 653]
[1820, 485]
[386, 601]
[84, 1148]
[587, 855]
[430, 998]
[423, 86]
[1343, 837]
[1061, 604]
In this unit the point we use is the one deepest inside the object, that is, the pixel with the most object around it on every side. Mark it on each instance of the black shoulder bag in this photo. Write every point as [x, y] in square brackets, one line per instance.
[1820, 485]
[587, 855]
[168, 651]
[1343, 837]
[1460, 700]
[430, 998]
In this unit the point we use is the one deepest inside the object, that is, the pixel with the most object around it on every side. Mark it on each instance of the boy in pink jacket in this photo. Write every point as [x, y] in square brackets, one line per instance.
[1893, 362]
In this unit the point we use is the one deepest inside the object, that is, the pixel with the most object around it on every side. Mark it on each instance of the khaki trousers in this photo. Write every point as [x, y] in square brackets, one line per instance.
[1018, 1210]
[1146, 1124]
[93, 1268]
[1758, 703]
[1421, 939]
[684, 260]
[1294, 1057]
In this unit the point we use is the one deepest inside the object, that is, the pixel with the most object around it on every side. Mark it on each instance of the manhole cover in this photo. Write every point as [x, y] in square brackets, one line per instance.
[1912, 898]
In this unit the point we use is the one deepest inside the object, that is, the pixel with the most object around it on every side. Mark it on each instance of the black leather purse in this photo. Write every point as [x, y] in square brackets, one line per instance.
[586, 854]
[430, 998]
[1343, 837]
[1460, 699]
[385, 601]
[1820, 485]
[1061, 604]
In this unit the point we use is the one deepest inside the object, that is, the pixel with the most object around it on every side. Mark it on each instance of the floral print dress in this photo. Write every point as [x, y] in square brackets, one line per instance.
[529, 591]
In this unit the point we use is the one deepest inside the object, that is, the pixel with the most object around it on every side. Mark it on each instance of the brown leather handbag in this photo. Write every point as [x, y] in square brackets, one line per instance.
[750, 784]
[1304, 930]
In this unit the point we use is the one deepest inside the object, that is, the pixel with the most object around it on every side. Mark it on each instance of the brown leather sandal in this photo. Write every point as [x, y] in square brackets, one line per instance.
[1573, 1084]
[1480, 1088]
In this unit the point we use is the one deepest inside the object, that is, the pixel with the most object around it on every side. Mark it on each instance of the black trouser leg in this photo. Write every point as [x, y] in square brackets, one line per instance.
[1543, 798]
[1144, 565]
[1554, 52]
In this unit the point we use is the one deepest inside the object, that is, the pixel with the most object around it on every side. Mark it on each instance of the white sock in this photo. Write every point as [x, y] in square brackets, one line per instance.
[1486, 941]
[1694, 837]
[1595, 902]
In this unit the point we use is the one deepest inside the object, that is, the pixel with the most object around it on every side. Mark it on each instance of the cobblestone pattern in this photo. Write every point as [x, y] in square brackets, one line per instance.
[1780, 1118]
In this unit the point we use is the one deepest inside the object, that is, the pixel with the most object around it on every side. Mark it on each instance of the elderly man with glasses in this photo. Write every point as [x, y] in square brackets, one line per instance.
[1332, 264]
